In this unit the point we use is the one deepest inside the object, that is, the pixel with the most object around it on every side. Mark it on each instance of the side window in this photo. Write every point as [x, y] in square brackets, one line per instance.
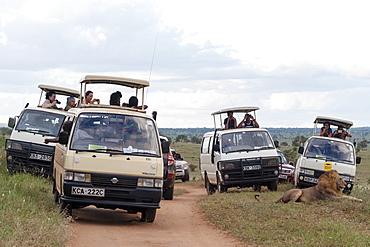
[205, 145]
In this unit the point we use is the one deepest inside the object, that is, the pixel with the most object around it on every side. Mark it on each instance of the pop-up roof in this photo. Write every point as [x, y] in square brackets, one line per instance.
[334, 121]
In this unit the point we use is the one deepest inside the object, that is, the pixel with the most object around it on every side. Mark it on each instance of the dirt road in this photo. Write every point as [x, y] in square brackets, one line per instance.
[177, 224]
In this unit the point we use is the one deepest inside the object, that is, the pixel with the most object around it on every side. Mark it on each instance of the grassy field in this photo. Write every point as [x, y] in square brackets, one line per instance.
[328, 223]
[29, 217]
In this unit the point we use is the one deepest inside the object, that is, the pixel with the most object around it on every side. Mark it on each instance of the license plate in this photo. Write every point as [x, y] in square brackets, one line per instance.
[44, 157]
[178, 173]
[252, 168]
[82, 191]
[311, 180]
[283, 176]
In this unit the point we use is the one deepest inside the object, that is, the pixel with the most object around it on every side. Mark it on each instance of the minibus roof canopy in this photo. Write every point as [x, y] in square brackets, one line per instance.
[244, 109]
[334, 121]
[98, 79]
[60, 90]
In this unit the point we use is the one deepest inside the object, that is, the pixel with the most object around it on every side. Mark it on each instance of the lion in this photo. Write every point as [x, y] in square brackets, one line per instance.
[330, 186]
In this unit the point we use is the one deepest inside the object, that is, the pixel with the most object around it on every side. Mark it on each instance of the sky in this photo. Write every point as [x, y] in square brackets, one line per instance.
[295, 60]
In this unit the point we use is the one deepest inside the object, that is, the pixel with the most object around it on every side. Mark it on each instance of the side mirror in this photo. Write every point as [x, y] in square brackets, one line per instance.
[11, 122]
[291, 163]
[358, 160]
[300, 150]
[276, 143]
[216, 148]
[165, 146]
[63, 137]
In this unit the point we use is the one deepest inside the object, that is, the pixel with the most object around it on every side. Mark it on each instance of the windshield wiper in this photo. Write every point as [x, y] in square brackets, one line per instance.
[263, 148]
[107, 149]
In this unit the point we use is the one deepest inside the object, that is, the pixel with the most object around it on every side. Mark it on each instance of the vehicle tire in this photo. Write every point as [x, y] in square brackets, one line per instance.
[148, 215]
[257, 187]
[220, 187]
[272, 186]
[168, 193]
[55, 193]
[210, 188]
[347, 192]
[65, 208]
[186, 177]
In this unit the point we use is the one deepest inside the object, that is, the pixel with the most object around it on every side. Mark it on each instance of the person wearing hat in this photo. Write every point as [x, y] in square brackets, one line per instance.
[71, 102]
[248, 122]
[115, 98]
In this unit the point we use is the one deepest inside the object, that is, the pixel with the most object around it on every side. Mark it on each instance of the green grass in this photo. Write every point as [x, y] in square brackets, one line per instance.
[327, 223]
[29, 217]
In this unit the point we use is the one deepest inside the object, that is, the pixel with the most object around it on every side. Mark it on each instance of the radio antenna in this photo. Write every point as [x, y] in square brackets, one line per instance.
[151, 66]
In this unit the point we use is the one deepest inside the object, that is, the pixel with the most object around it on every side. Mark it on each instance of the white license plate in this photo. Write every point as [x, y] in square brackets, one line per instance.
[252, 168]
[44, 157]
[283, 176]
[311, 180]
[178, 173]
[82, 191]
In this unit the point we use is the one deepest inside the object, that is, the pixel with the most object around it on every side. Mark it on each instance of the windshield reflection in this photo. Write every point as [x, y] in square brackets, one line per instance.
[330, 150]
[246, 141]
[38, 122]
[115, 133]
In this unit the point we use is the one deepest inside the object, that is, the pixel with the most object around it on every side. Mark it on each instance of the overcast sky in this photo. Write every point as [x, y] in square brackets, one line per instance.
[293, 59]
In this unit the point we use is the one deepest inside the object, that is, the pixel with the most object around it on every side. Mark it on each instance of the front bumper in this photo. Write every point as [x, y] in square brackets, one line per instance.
[125, 198]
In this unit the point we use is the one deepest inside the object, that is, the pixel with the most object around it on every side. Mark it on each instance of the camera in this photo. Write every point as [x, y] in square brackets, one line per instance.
[58, 102]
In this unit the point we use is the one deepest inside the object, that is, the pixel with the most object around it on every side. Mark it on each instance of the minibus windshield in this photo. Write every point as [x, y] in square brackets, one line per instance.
[39, 122]
[330, 149]
[246, 141]
[116, 134]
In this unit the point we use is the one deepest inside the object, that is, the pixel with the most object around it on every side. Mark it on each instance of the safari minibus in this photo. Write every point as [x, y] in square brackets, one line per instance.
[25, 149]
[241, 157]
[112, 158]
[320, 154]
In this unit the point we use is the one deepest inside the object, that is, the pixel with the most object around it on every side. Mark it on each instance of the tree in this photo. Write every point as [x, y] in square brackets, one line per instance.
[196, 140]
[362, 144]
[298, 140]
[291, 154]
[284, 144]
[182, 138]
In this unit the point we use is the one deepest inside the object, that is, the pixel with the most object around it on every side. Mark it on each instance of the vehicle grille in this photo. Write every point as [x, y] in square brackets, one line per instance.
[21, 159]
[105, 181]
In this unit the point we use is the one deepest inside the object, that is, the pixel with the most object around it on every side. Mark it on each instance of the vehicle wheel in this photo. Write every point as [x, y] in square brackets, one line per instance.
[220, 187]
[55, 193]
[272, 186]
[209, 187]
[186, 177]
[65, 208]
[346, 191]
[257, 187]
[168, 193]
[148, 215]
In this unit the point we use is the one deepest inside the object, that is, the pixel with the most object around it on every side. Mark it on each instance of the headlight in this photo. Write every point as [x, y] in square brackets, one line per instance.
[68, 175]
[348, 178]
[185, 166]
[82, 177]
[14, 145]
[228, 165]
[271, 162]
[78, 177]
[158, 183]
[149, 182]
